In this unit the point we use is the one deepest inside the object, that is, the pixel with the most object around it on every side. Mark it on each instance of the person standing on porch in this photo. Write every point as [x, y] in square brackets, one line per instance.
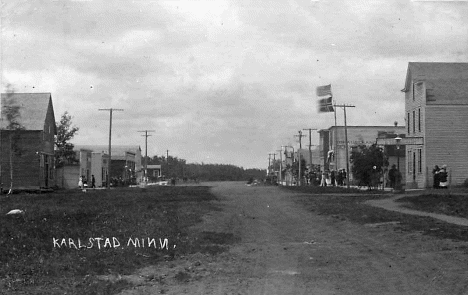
[435, 173]
[443, 177]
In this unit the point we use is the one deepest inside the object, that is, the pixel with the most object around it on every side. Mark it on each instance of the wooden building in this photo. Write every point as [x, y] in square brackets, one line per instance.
[436, 112]
[126, 164]
[27, 130]
[334, 138]
[88, 163]
[154, 172]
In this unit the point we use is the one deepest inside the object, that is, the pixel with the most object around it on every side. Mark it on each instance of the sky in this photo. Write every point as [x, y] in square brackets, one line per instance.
[220, 81]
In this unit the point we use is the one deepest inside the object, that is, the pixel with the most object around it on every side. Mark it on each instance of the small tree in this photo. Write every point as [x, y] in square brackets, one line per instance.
[14, 127]
[367, 164]
[64, 152]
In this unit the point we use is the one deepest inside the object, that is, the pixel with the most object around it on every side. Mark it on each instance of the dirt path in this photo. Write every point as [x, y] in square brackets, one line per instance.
[285, 249]
[390, 204]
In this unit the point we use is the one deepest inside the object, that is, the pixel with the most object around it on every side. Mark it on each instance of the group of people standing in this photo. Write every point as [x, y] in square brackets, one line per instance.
[440, 177]
[333, 178]
[394, 177]
[83, 183]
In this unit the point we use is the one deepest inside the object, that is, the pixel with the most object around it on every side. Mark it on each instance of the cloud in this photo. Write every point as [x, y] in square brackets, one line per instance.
[223, 81]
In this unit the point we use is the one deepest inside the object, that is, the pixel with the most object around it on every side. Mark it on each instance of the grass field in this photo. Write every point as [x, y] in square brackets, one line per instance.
[449, 203]
[350, 206]
[66, 239]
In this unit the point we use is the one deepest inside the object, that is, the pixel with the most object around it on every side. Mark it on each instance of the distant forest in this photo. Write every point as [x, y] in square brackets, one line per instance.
[175, 167]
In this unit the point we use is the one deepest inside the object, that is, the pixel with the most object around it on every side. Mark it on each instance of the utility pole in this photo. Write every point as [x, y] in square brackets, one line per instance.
[146, 152]
[110, 143]
[274, 164]
[292, 162]
[310, 145]
[167, 163]
[281, 166]
[299, 155]
[335, 141]
[269, 163]
[344, 106]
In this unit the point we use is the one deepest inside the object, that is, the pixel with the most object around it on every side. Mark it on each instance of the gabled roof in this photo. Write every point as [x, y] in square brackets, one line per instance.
[33, 108]
[117, 150]
[447, 83]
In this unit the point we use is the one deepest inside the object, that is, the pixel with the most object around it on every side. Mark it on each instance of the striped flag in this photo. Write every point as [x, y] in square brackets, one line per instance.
[324, 91]
[325, 103]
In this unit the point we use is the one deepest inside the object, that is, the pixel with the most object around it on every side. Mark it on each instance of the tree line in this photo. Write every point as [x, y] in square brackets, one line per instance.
[179, 168]
[170, 166]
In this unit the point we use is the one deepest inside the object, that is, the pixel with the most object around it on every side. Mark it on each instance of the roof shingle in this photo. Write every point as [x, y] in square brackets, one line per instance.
[446, 83]
[32, 108]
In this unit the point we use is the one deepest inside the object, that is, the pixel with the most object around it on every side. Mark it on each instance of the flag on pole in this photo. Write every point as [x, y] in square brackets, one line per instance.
[324, 91]
[325, 103]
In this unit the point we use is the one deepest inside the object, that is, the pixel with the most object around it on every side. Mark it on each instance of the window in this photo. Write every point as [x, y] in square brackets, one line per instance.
[420, 160]
[410, 164]
[419, 119]
[414, 84]
[408, 123]
[414, 121]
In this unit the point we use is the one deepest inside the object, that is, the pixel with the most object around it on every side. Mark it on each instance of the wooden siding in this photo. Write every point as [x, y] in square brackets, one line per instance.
[415, 177]
[415, 101]
[26, 172]
[68, 176]
[447, 140]
[415, 116]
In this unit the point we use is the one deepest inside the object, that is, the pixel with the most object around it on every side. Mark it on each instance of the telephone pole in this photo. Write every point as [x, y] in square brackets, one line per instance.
[111, 110]
[299, 155]
[146, 152]
[344, 106]
[167, 163]
[310, 144]
[269, 163]
[281, 166]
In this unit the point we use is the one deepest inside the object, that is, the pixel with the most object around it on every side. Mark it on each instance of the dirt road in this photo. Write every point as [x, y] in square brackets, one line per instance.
[285, 249]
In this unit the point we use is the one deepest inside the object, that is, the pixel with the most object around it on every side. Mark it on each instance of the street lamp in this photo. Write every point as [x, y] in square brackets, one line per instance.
[398, 140]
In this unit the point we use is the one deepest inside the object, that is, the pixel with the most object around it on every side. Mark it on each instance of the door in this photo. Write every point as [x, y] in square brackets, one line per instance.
[46, 171]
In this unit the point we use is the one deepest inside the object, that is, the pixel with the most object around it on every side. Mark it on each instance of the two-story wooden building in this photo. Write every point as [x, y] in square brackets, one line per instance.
[436, 110]
[27, 130]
